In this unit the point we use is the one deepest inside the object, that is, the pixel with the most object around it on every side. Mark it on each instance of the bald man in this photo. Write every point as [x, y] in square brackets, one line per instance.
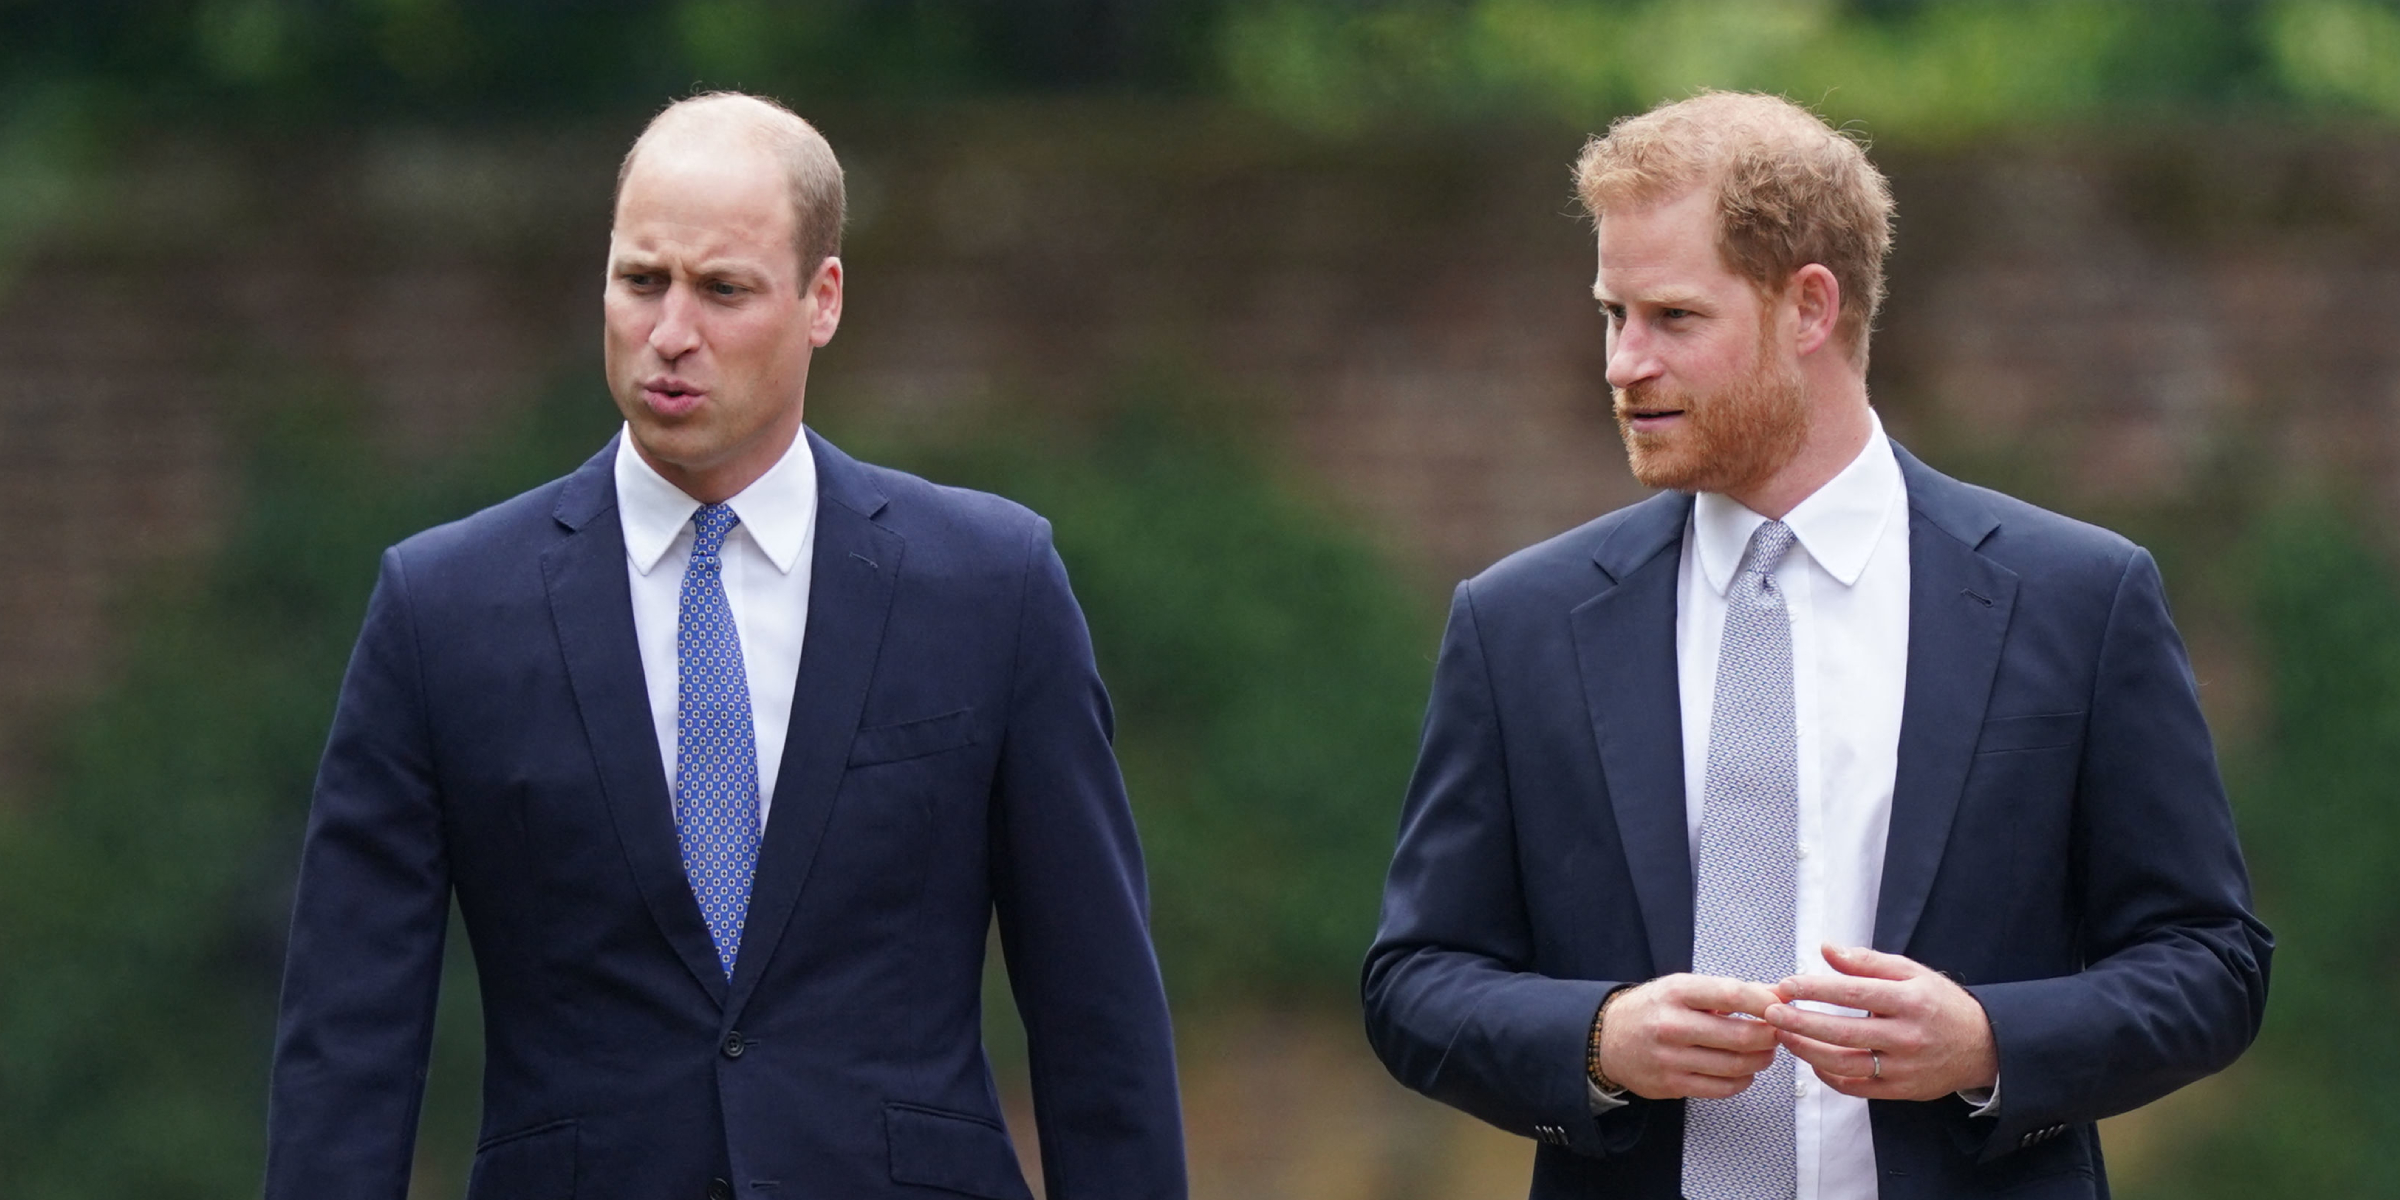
[731, 749]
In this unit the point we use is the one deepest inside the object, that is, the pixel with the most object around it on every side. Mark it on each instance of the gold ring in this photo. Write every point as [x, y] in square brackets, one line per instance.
[1877, 1057]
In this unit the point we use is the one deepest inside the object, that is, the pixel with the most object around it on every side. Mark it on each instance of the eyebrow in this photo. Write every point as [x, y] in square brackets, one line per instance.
[731, 266]
[1667, 300]
[709, 269]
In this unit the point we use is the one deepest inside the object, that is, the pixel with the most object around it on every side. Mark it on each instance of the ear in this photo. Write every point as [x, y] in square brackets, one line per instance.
[1816, 297]
[825, 293]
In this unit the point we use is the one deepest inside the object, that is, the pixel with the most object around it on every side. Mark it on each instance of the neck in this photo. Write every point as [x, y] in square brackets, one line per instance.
[1837, 431]
[725, 478]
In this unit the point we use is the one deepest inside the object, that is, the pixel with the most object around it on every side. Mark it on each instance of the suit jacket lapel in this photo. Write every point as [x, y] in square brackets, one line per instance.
[592, 607]
[1958, 612]
[1625, 648]
[853, 568]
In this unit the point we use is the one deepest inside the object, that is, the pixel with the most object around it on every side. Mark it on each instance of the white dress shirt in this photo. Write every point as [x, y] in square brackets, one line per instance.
[766, 573]
[1846, 590]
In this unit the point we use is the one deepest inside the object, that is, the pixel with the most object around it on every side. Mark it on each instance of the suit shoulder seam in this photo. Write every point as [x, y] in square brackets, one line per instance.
[2108, 628]
[416, 665]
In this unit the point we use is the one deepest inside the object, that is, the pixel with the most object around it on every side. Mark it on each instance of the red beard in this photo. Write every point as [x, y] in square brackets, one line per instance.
[1727, 442]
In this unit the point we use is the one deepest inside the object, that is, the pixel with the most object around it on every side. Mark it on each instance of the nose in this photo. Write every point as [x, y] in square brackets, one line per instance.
[677, 331]
[1630, 357]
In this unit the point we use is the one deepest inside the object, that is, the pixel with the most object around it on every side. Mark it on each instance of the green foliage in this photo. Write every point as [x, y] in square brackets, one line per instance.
[2343, 51]
[1921, 71]
[1268, 674]
[144, 896]
[304, 63]
[2312, 1113]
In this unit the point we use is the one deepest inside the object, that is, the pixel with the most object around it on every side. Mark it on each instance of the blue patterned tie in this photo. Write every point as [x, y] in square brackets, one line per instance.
[716, 750]
[1744, 1147]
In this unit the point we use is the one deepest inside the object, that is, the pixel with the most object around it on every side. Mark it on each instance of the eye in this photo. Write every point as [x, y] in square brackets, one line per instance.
[1672, 314]
[723, 290]
[639, 281]
[1614, 312]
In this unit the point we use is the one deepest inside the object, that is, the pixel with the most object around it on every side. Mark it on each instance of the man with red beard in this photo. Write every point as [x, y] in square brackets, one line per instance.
[1822, 827]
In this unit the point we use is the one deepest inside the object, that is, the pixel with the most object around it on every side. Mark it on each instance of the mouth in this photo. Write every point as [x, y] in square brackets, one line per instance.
[1649, 418]
[1647, 407]
[670, 397]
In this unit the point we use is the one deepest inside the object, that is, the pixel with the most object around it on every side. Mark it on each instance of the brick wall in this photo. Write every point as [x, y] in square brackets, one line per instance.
[1407, 320]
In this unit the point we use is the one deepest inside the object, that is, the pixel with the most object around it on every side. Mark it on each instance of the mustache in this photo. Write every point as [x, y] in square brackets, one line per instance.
[1648, 394]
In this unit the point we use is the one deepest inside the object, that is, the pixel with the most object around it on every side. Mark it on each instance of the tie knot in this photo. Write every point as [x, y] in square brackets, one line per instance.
[1767, 547]
[709, 527]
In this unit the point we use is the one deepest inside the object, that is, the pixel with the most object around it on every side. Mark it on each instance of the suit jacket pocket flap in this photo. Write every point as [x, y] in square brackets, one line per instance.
[2038, 732]
[912, 739]
[530, 1164]
[963, 1154]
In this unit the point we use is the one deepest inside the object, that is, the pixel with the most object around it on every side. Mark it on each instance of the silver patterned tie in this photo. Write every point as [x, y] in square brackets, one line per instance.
[1742, 1147]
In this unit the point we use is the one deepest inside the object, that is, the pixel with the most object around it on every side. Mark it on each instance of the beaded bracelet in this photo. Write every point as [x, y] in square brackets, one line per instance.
[1591, 1053]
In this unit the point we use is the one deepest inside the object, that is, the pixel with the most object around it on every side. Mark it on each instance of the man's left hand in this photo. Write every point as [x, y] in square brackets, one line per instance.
[1923, 1036]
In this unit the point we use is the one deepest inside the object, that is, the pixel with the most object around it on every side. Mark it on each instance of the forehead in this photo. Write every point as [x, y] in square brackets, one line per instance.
[1662, 246]
[721, 196]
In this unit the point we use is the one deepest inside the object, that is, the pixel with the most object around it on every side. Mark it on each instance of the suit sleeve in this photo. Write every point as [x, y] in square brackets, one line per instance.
[368, 922]
[1452, 1006]
[1073, 909]
[2176, 977]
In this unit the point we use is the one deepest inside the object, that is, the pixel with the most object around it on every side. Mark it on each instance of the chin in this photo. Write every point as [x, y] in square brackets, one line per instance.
[1666, 467]
[676, 445]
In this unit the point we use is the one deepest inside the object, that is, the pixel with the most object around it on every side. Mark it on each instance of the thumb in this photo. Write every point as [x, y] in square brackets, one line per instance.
[1870, 963]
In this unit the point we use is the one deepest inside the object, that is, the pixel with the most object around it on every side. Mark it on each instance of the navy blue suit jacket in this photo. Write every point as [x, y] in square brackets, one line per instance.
[2059, 843]
[948, 759]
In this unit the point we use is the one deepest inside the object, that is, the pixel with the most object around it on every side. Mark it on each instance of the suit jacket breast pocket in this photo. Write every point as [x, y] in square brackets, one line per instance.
[2040, 731]
[913, 739]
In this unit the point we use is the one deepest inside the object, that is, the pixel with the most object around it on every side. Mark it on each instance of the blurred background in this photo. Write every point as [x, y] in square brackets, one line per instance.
[1279, 309]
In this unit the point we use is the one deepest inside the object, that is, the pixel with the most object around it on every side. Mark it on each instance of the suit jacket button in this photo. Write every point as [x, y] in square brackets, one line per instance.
[733, 1049]
[719, 1189]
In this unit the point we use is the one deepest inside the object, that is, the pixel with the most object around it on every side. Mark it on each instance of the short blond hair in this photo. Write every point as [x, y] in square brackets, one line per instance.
[1791, 190]
[811, 172]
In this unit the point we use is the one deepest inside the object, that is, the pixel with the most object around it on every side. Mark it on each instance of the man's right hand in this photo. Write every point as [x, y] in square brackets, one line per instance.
[1679, 1035]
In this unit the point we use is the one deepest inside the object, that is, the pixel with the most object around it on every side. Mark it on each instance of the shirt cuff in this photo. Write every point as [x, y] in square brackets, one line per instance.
[1604, 1101]
[1986, 1101]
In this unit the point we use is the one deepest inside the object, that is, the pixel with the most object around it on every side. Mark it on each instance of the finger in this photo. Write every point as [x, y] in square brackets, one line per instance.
[1882, 996]
[1711, 993]
[1874, 964]
[1859, 1033]
[1723, 1064]
[1725, 1033]
[1792, 1040]
[1827, 1058]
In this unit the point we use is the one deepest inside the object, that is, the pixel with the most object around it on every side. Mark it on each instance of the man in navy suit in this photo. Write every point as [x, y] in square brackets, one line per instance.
[731, 748]
[1822, 827]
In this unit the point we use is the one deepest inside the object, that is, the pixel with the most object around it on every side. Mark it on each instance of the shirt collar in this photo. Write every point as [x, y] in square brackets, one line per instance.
[779, 508]
[1839, 524]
